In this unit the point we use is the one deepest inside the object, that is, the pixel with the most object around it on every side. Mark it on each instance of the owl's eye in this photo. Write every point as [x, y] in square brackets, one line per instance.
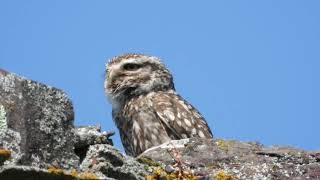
[131, 66]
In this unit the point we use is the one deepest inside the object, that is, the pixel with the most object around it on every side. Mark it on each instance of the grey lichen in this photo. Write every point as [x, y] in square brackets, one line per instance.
[3, 120]
[7, 82]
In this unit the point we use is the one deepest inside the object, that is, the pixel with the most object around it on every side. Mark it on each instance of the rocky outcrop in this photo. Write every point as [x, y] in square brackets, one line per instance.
[31, 173]
[90, 135]
[222, 159]
[39, 141]
[36, 123]
[105, 159]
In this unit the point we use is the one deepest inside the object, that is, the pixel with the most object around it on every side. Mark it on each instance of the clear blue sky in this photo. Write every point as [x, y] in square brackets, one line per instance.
[251, 67]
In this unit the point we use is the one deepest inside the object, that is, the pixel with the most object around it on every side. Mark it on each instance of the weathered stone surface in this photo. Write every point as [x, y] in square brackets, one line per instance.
[239, 160]
[105, 159]
[36, 123]
[38, 141]
[11, 142]
[31, 173]
[90, 135]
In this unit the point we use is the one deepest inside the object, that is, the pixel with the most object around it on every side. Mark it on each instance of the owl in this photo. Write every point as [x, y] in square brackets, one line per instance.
[145, 106]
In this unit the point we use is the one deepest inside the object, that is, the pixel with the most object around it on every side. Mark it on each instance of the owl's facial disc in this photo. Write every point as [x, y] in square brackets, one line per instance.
[127, 75]
[136, 74]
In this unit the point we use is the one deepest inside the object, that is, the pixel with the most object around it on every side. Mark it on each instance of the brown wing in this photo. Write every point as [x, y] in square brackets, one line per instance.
[181, 119]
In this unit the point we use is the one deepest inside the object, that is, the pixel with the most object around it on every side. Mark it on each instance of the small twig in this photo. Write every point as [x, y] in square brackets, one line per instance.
[176, 156]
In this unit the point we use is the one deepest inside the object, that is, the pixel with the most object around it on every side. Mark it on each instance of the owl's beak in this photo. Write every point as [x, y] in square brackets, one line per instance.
[110, 75]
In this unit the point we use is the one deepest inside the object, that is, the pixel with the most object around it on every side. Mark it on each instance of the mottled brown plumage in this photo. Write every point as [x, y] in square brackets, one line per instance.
[145, 106]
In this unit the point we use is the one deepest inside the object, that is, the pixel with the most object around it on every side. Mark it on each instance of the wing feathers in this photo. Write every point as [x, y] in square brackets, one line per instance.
[181, 119]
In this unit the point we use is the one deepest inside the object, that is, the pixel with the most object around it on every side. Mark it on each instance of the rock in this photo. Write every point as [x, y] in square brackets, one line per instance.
[90, 135]
[11, 142]
[169, 168]
[38, 141]
[105, 159]
[206, 158]
[36, 123]
[35, 173]
[31, 173]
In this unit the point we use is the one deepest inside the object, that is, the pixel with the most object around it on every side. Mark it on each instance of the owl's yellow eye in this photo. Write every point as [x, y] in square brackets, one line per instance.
[131, 66]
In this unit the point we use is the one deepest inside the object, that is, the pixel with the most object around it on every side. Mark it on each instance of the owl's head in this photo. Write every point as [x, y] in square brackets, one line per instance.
[135, 74]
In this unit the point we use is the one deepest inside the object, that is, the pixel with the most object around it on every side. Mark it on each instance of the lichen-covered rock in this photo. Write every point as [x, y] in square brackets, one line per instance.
[11, 141]
[206, 158]
[4, 155]
[3, 121]
[38, 141]
[105, 159]
[31, 173]
[36, 123]
[90, 135]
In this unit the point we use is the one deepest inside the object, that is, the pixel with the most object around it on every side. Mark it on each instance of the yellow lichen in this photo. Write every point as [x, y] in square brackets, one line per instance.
[88, 175]
[147, 161]
[184, 176]
[158, 171]
[223, 143]
[73, 173]
[4, 153]
[149, 177]
[54, 170]
[191, 177]
[171, 176]
[223, 176]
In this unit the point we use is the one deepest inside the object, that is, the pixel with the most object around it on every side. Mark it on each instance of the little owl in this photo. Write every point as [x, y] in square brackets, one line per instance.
[145, 106]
